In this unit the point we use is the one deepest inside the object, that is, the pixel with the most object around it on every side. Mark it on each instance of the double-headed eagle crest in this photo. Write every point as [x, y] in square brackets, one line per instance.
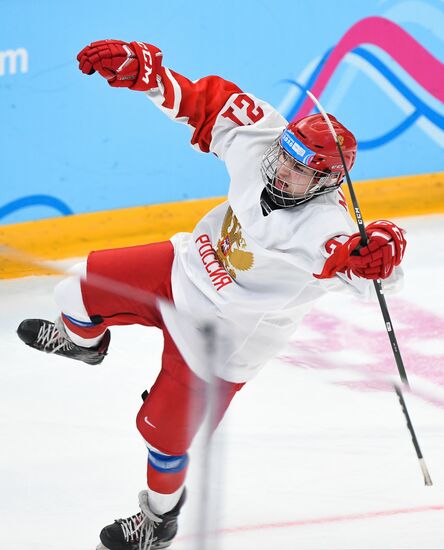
[231, 246]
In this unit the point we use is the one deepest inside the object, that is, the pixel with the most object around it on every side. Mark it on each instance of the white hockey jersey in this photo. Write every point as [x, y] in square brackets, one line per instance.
[254, 273]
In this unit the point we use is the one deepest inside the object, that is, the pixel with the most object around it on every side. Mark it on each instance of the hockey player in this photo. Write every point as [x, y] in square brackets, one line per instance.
[257, 263]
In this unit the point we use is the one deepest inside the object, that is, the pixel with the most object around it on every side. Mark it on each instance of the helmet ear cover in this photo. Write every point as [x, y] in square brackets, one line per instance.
[328, 178]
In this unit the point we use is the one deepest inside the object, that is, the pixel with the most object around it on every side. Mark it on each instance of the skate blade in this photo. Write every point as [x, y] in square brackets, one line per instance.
[159, 547]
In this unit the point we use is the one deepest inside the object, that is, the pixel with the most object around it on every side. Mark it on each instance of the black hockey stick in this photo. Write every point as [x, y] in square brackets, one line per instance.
[381, 298]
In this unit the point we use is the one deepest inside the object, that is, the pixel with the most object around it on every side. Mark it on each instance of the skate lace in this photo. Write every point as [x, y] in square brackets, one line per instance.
[52, 340]
[140, 527]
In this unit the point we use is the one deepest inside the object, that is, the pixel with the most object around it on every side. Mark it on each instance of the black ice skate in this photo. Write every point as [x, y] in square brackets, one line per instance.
[143, 531]
[52, 338]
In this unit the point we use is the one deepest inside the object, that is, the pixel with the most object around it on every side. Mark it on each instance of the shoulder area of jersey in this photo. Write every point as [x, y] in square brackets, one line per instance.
[319, 216]
[333, 203]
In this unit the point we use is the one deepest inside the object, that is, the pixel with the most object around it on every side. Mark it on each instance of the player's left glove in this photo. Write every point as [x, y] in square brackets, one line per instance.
[384, 250]
[132, 65]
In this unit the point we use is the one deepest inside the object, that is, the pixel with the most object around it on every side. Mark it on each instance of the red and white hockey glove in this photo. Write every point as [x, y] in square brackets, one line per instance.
[132, 65]
[384, 250]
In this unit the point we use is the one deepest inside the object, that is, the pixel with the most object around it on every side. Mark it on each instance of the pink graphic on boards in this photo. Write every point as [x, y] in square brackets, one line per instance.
[420, 64]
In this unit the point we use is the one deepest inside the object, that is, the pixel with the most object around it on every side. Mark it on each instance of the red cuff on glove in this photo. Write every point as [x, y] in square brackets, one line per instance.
[384, 250]
[150, 61]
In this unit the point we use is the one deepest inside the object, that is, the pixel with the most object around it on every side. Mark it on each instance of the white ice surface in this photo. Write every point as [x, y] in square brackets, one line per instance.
[313, 454]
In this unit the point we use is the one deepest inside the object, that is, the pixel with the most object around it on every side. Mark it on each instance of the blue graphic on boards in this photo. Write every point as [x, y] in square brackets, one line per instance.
[421, 108]
[35, 200]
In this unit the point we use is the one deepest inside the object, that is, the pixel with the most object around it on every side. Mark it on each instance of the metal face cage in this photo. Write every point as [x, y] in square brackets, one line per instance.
[289, 182]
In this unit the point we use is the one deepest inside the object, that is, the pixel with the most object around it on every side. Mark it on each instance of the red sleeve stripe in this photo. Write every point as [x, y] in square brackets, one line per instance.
[172, 92]
[201, 103]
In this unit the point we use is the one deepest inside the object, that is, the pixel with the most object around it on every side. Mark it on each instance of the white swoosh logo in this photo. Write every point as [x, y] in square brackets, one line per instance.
[149, 423]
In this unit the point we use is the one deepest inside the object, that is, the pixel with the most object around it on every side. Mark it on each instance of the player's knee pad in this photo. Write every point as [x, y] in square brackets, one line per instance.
[165, 420]
[166, 473]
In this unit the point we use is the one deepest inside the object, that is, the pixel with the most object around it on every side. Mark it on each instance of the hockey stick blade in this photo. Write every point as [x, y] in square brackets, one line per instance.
[423, 465]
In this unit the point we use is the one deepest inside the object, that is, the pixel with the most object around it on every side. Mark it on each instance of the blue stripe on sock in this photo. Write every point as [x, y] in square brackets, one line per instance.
[167, 463]
[79, 323]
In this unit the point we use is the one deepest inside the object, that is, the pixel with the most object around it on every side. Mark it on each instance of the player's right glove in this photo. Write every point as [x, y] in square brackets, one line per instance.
[384, 250]
[132, 65]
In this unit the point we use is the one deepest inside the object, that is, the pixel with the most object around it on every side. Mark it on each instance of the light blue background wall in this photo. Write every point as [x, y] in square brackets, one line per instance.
[70, 143]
